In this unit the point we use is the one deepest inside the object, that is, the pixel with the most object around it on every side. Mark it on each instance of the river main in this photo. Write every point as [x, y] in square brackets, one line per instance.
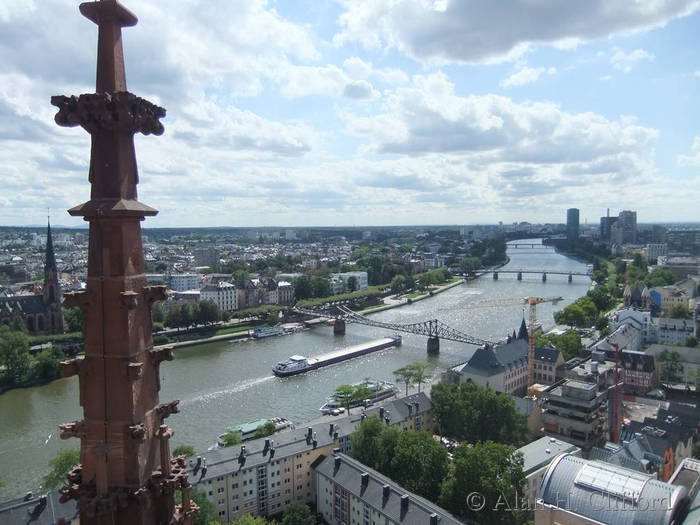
[223, 383]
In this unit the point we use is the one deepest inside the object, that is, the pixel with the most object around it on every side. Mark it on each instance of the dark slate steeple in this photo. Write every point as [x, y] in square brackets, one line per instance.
[52, 290]
[522, 333]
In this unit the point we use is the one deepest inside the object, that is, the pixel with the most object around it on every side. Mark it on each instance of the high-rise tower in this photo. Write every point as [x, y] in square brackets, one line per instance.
[572, 224]
[126, 475]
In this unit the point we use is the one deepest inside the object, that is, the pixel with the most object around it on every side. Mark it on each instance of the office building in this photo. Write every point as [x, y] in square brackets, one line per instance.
[572, 224]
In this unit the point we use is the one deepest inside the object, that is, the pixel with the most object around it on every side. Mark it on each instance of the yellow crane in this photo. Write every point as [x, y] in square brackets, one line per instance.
[532, 302]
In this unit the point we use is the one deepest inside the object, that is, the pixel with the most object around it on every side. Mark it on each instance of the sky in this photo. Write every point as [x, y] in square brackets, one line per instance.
[368, 112]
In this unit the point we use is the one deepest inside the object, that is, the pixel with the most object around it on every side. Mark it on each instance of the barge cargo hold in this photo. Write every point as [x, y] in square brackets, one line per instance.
[298, 364]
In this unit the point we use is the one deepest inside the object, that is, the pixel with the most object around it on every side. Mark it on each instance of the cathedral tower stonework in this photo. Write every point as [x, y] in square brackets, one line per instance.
[126, 475]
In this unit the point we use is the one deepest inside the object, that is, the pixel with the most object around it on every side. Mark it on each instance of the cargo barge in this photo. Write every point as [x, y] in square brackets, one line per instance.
[298, 364]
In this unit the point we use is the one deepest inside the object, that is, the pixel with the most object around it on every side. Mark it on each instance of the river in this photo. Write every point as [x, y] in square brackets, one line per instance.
[223, 383]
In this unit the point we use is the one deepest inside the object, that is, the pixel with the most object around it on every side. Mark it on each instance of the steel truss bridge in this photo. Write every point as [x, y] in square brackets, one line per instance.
[434, 329]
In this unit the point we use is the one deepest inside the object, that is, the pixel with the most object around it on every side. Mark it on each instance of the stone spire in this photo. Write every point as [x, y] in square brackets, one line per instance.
[52, 288]
[522, 332]
[126, 475]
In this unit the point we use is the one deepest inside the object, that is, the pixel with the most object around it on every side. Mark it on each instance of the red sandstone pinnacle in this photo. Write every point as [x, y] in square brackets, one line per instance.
[126, 474]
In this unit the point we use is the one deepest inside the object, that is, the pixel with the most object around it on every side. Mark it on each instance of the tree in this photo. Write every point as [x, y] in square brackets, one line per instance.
[679, 311]
[351, 284]
[250, 520]
[172, 318]
[569, 343]
[47, 364]
[184, 450]
[398, 284]
[157, 313]
[345, 394]
[209, 312]
[63, 463]
[207, 514]
[264, 430]
[468, 412]
[691, 341]
[231, 438]
[364, 442]
[320, 287]
[239, 278]
[404, 375]
[419, 464]
[601, 323]
[418, 369]
[493, 470]
[659, 277]
[296, 513]
[73, 317]
[186, 315]
[15, 360]
[670, 366]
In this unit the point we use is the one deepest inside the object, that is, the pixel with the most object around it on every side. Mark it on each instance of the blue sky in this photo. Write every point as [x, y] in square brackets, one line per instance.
[362, 112]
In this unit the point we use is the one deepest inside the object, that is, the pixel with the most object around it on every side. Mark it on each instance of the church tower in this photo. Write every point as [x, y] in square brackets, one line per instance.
[52, 289]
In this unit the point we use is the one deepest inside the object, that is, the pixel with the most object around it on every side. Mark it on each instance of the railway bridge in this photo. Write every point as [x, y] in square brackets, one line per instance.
[434, 329]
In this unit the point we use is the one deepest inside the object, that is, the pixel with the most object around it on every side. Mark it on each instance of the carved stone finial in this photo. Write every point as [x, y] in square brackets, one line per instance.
[72, 367]
[130, 299]
[137, 432]
[164, 410]
[71, 430]
[153, 293]
[76, 299]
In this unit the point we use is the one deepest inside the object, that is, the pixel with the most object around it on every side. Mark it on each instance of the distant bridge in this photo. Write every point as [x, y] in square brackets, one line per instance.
[434, 329]
[526, 245]
[519, 273]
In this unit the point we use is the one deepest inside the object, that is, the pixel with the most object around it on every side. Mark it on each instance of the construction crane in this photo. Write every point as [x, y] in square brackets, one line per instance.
[532, 302]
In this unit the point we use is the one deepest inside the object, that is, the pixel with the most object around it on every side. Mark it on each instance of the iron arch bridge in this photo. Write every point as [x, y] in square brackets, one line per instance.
[433, 329]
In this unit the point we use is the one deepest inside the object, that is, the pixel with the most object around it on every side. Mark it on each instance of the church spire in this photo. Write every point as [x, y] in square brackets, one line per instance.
[50, 260]
[522, 333]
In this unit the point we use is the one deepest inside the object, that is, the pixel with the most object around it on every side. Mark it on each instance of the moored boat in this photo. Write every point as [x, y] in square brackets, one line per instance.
[376, 391]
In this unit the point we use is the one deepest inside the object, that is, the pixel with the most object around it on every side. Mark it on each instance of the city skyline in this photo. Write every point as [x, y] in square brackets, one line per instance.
[337, 114]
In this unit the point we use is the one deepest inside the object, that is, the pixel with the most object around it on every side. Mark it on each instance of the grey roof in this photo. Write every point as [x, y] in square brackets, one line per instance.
[631, 360]
[224, 461]
[39, 510]
[27, 304]
[524, 405]
[546, 354]
[594, 489]
[637, 452]
[686, 354]
[347, 473]
[542, 451]
[488, 361]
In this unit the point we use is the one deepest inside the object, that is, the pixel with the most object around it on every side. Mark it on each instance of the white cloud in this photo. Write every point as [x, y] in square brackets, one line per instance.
[477, 31]
[360, 89]
[526, 75]
[626, 61]
[694, 158]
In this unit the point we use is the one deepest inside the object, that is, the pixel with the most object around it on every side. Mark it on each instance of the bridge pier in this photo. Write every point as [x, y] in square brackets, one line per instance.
[520, 276]
[339, 327]
[571, 278]
[544, 277]
[433, 345]
[495, 276]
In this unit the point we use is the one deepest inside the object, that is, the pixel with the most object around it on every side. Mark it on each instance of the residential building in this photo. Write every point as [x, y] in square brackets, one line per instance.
[536, 459]
[348, 492]
[223, 294]
[576, 412]
[681, 267]
[340, 282]
[285, 293]
[640, 319]
[635, 452]
[207, 256]
[577, 491]
[664, 298]
[181, 282]
[626, 335]
[684, 240]
[675, 331]
[262, 476]
[637, 370]
[572, 224]
[669, 440]
[654, 251]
